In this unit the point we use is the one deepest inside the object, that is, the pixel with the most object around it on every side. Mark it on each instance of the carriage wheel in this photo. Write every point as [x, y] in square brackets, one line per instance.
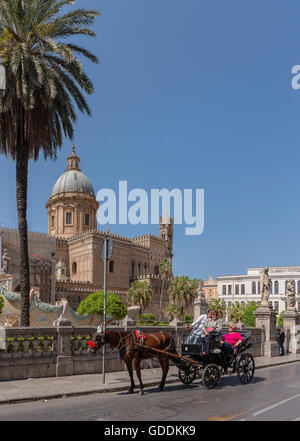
[211, 376]
[245, 368]
[187, 376]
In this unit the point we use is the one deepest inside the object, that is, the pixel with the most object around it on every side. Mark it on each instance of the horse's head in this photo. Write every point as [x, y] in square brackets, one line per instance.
[97, 340]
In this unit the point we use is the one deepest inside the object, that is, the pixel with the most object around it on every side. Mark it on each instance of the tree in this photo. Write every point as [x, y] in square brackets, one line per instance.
[280, 320]
[94, 305]
[44, 82]
[249, 319]
[165, 267]
[236, 312]
[183, 291]
[172, 311]
[140, 293]
[219, 305]
[1, 304]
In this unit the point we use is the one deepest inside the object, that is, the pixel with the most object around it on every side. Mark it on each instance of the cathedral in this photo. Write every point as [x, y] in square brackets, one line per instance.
[66, 263]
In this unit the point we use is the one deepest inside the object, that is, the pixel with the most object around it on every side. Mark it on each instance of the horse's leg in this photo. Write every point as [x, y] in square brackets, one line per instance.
[137, 365]
[128, 362]
[164, 363]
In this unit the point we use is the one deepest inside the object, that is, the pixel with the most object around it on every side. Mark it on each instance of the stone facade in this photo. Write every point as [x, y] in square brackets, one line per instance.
[210, 289]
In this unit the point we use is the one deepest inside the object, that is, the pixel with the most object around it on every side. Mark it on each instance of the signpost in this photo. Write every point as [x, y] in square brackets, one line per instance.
[106, 253]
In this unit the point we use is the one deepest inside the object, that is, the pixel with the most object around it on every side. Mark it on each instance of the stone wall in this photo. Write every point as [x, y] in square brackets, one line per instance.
[49, 352]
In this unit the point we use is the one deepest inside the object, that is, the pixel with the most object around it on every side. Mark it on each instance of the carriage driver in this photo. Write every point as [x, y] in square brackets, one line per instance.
[197, 328]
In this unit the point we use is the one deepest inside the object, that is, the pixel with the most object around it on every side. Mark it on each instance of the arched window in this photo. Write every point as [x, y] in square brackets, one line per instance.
[276, 285]
[111, 266]
[74, 268]
[258, 287]
[253, 287]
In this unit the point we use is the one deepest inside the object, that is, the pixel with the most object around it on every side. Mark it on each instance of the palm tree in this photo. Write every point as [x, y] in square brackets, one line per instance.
[140, 293]
[236, 313]
[183, 291]
[45, 81]
[165, 267]
[219, 305]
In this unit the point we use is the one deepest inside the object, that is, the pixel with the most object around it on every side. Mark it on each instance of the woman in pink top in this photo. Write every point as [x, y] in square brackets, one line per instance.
[230, 341]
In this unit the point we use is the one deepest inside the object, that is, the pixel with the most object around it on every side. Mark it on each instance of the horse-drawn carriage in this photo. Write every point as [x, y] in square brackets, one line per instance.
[135, 346]
[211, 367]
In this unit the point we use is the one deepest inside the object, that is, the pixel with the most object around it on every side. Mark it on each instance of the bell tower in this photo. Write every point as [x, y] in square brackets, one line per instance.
[166, 233]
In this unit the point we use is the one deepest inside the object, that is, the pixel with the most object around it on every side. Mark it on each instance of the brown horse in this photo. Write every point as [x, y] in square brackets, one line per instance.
[131, 352]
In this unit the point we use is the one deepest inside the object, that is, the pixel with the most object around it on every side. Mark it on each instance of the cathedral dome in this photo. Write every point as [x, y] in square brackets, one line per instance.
[73, 180]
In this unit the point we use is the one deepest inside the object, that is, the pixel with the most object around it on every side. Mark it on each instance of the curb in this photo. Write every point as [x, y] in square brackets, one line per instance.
[116, 388]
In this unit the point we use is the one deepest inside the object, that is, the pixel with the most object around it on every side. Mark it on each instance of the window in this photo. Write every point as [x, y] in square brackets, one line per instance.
[286, 284]
[229, 290]
[156, 271]
[271, 287]
[298, 286]
[243, 289]
[139, 267]
[74, 267]
[298, 306]
[258, 287]
[253, 287]
[145, 270]
[276, 287]
[111, 266]
[69, 219]
[132, 268]
[53, 221]
[237, 289]
[276, 306]
[224, 290]
[86, 219]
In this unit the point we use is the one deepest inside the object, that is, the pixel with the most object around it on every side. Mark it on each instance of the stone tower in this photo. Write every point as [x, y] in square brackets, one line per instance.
[166, 233]
[72, 206]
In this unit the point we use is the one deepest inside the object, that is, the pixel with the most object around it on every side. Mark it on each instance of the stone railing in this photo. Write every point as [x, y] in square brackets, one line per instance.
[62, 351]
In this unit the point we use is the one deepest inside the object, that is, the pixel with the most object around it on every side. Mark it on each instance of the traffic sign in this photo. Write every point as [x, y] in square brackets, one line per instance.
[107, 248]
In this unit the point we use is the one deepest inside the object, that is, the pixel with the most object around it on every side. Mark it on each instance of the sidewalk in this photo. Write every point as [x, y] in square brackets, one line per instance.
[63, 387]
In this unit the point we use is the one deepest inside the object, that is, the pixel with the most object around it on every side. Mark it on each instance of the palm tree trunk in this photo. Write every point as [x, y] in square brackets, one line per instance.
[21, 190]
[161, 299]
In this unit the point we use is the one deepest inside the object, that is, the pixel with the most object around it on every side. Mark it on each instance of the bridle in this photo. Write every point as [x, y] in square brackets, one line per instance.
[100, 339]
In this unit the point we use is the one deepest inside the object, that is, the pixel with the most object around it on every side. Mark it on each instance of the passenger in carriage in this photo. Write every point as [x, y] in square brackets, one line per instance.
[197, 329]
[230, 342]
[212, 325]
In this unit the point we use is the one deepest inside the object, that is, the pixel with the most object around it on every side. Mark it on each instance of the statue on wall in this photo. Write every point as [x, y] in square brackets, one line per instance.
[5, 262]
[265, 281]
[291, 295]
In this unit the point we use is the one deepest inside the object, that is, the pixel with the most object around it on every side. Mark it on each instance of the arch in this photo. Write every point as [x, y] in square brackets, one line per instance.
[112, 266]
[74, 268]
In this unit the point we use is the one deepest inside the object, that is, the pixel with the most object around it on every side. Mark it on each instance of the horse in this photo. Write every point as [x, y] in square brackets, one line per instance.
[132, 351]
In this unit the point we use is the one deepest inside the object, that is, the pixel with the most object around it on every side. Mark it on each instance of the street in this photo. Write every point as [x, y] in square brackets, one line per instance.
[273, 395]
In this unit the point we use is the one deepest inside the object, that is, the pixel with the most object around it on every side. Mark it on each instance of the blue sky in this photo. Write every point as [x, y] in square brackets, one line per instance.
[192, 94]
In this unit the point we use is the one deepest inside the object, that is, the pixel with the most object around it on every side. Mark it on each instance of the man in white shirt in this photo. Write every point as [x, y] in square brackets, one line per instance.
[197, 329]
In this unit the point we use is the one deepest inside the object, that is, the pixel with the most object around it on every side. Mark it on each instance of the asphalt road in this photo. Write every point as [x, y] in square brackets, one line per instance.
[273, 394]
